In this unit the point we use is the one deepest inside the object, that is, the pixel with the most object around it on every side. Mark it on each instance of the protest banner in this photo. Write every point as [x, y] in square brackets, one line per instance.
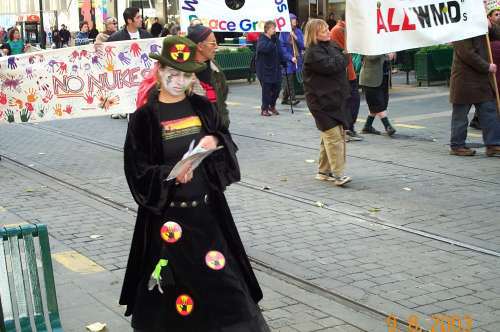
[74, 82]
[377, 27]
[235, 15]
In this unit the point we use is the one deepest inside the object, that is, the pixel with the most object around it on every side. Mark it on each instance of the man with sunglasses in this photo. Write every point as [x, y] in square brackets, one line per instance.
[111, 26]
[211, 82]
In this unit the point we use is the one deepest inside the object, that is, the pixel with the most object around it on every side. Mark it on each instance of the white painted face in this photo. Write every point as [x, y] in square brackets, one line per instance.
[174, 81]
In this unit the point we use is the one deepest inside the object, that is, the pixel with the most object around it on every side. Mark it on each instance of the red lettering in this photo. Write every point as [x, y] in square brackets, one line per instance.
[392, 27]
[380, 21]
[406, 23]
[133, 77]
[223, 27]
[56, 84]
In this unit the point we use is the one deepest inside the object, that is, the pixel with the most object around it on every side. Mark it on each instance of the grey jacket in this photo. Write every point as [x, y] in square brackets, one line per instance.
[372, 71]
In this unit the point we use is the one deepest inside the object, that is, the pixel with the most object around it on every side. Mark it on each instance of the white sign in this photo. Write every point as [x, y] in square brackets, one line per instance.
[235, 15]
[74, 82]
[377, 27]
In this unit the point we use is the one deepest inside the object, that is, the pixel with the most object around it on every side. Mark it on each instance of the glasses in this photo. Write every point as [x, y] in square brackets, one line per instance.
[211, 43]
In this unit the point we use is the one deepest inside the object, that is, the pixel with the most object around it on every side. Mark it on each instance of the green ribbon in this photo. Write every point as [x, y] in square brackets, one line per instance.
[161, 264]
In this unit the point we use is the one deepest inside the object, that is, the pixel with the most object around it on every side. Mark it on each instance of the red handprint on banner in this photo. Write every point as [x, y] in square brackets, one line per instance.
[29, 107]
[48, 96]
[68, 109]
[3, 98]
[89, 98]
[74, 55]
[63, 68]
[84, 54]
[135, 49]
[109, 51]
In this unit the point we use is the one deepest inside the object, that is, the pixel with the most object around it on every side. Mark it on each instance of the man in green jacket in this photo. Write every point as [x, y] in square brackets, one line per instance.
[211, 82]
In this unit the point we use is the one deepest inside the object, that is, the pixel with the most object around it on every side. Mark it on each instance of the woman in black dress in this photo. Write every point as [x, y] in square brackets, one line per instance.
[187, 269]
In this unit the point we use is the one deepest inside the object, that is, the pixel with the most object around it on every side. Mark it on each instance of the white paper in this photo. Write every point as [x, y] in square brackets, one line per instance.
[194, 155]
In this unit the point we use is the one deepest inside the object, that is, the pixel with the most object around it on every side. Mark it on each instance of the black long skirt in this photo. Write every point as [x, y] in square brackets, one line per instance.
[220, 297]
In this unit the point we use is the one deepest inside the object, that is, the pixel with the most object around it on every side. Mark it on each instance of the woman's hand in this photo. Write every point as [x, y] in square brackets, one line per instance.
[185, 175]
[209, 142]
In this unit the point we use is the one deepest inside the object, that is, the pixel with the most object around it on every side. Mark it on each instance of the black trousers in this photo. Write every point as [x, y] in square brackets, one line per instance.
[270, 93]
[353, 103]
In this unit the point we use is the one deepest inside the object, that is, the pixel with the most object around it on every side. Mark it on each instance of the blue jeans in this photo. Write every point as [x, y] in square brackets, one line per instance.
[487, 117]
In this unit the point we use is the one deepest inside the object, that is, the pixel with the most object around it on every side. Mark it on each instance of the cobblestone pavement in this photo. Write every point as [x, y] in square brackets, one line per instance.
[349, 248]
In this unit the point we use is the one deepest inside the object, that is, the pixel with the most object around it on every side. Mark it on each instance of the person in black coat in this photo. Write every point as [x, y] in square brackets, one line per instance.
[187, 269]
[269, 62]
[156, 28]
[327, 89]
[64, 36]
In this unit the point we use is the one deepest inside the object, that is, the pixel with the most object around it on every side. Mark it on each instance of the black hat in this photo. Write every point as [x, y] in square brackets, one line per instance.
[178, 53]
[198, 33]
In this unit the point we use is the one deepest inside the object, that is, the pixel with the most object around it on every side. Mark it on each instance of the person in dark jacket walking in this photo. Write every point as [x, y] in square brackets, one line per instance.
[471, 84]
[327, 90]
[269, 60]
[187, 270]
[292, 46]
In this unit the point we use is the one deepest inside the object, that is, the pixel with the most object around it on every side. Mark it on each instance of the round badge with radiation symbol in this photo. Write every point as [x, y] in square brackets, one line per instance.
[184, 305]
[215, 260]
[180, 53]
[171, 232]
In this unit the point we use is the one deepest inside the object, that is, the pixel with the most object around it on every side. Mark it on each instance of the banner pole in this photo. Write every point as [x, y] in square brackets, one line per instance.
[495, 83]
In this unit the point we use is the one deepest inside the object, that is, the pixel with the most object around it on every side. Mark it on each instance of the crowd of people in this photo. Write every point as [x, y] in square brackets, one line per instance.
[187, 262]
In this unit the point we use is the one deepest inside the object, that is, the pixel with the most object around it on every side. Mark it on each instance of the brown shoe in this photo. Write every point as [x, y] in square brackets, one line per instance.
[274, 111]
[463, 152]
[265, 113]
[493, 150]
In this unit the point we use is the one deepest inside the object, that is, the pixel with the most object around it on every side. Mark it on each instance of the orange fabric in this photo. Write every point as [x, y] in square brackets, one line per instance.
[337, 34]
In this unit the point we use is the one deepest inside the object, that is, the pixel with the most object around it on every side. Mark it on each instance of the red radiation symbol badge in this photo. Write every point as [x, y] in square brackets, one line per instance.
[180, 53]
[184, 305]
[171, 232]
[215, 260]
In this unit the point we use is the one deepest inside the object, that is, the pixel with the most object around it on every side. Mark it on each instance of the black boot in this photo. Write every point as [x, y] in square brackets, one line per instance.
[368, 128]
[388, 128]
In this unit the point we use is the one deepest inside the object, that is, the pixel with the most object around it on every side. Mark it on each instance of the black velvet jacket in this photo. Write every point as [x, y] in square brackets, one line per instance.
[146, 170]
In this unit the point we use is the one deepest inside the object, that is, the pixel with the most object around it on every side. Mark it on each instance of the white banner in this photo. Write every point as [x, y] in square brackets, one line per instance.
[75, 81]
[377, 27]
[235, 15]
